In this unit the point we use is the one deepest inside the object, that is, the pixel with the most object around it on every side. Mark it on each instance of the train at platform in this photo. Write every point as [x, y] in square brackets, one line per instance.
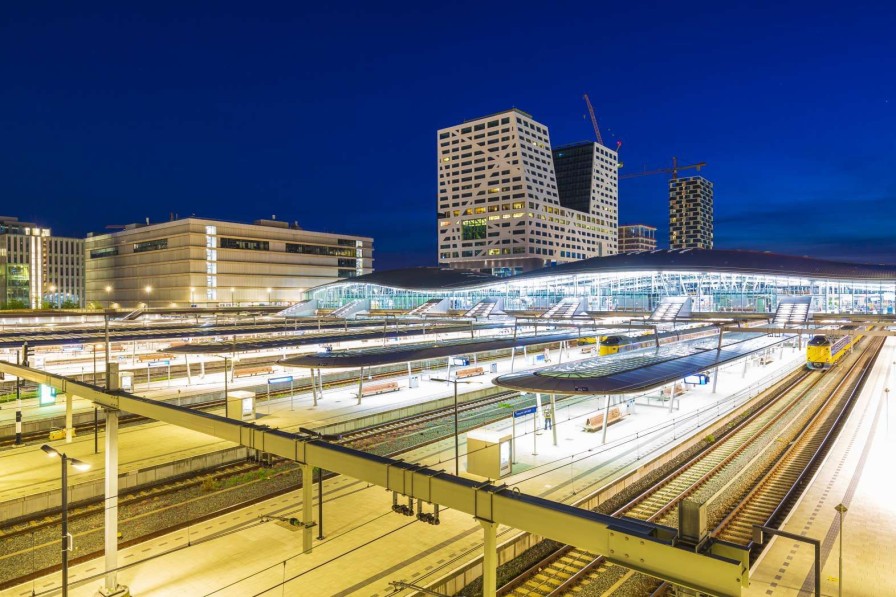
[624, 342]
[824, 351]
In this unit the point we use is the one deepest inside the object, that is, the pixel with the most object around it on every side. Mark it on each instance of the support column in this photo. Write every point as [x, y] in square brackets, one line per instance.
[409, 374]
[715, 379]
[202, 369]
[606, 420]
[313, 388]
[360, 384]
[671, 397]
[489, 557]
[539, 409]
[111, 586]
[512, 357]
[320, 384]
[187, 363]
[307, 506]
[69, 430]
[554, 418]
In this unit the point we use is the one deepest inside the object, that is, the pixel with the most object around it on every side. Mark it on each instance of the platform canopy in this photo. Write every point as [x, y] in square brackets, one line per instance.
[630, 373]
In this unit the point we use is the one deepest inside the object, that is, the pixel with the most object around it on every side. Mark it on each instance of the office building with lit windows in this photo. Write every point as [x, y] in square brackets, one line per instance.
[38, 269]
[196, 261]
[637, 237]
[587, 181]
[499, 206]
[690, 213]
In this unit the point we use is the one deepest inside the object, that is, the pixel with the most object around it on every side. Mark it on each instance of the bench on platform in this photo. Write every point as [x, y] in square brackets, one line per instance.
[469, 372]
[679, 390]
[379, 387]
[248, 371]
[596, 422]
[155, 356]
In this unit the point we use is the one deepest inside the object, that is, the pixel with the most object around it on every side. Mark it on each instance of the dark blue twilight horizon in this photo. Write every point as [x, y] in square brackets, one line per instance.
[327, 115]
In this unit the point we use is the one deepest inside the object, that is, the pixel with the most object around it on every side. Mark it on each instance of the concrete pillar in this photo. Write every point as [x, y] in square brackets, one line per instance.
[512, 357]
[360, 384]
[307, 506]
[187, 363]
[539, 409]
[489, 557]
[313, 388]
[202, 369]
[715, 379]
[554, 418]
[69, 429]
[606, 420]
[111, 586]
[409, 374]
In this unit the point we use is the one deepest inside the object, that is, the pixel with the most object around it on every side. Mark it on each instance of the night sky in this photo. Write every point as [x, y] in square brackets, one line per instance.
[328, 115]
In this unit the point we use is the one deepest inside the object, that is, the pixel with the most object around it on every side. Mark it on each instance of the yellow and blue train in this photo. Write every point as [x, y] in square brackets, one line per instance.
[822, 352]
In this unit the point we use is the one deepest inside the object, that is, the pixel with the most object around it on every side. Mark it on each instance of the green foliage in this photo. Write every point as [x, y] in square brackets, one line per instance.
[14, 304]
[709, 439]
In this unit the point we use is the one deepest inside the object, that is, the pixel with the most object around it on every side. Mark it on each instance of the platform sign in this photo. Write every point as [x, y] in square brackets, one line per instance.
[524, 411]
[284, 379]
[47, 395]
[159, 363]
[701, 379]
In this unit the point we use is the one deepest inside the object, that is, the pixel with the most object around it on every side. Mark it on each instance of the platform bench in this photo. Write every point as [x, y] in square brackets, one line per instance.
[247, 371]
[380, 387]
[596, 422]
[469, 372]
[155, 356]
[679, 390]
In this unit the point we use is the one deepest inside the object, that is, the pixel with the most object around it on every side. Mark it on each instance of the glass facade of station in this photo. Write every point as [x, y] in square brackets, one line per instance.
[634, 291]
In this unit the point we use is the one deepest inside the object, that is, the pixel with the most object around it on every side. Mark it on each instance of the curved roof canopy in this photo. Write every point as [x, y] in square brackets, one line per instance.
[629, 373]
[715, 260]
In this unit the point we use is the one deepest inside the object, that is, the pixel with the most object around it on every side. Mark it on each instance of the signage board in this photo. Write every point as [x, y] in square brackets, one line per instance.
[700, 379]
[284, 379]
[524, 411]
[47, 395]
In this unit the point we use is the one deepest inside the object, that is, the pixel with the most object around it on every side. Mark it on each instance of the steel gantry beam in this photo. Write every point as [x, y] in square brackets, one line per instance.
[645, 547]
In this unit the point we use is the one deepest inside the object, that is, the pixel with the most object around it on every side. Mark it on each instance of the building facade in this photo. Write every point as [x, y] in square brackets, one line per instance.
[637, 237]
[588, 181]
[38, 269]
[690, 213]
[499, 207]
[196, 261]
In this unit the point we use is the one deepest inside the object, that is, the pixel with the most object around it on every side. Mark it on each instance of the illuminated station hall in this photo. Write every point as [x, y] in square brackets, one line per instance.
[685, 422]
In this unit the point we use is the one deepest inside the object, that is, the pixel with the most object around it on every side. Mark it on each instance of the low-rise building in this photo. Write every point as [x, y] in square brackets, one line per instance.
[38, 269]
[198, 261]
[637, 237]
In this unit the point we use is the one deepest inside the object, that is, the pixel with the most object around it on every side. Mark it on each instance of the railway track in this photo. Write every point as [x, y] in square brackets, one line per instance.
[798, 409]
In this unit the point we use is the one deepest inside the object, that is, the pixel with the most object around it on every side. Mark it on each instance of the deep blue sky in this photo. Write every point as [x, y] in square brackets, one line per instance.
[327, 115]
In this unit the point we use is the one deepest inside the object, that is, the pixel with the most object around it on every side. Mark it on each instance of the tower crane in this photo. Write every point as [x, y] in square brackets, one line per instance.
[593, 120]
[673, 170]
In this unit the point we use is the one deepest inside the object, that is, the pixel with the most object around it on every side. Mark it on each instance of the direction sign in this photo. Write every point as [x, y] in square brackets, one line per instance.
[284, 379]
[524, 411]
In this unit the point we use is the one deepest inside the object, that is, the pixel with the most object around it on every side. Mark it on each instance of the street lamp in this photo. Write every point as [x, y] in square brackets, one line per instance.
[269, 296]
[66, 538]
[147, 289]
[456, 436]
[841, 509]
[231, 295]
[108, 290]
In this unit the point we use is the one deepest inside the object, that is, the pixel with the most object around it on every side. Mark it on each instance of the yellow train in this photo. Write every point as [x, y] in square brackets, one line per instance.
[822, 352]
[645, 339]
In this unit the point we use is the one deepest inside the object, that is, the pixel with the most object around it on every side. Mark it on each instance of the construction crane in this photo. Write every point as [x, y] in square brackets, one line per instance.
[673, 170]
[593, 120]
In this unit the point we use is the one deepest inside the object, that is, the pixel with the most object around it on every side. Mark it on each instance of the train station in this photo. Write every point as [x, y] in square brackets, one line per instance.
[672, 422]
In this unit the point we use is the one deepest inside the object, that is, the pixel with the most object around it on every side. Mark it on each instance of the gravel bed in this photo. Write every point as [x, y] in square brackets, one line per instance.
[515, 567]
[39, 550]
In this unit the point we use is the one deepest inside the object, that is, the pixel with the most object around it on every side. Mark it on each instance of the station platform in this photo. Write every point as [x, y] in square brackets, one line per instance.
[858, 473]
[366, 545]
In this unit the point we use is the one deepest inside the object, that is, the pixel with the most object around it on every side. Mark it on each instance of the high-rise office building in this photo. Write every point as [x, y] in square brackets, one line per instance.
[690, 213]
[637, 237]
[587, 181]
[499, 208]
[211, 262]
[38, 269]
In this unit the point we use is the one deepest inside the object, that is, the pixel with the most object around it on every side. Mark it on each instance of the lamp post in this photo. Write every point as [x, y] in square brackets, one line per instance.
[108, 290]
[841, 509]
[148, 290]
[456, 434]
[66, 538]
[231, 296]
[54, 302]
[192, 290]
[269, 296]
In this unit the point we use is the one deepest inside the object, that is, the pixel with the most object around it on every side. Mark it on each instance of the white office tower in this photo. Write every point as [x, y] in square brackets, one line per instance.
[498, 201]
[690, 213]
